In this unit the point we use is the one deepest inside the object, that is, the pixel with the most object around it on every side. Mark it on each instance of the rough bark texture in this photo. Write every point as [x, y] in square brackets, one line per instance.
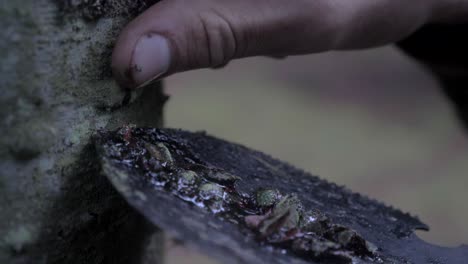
[56, 90]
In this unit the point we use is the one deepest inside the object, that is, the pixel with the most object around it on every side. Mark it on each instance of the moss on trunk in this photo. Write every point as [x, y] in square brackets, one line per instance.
[56, 90]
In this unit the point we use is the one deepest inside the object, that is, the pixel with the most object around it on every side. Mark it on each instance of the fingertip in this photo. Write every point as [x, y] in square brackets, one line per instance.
[122, 57]
[142, 52]
[151, 58]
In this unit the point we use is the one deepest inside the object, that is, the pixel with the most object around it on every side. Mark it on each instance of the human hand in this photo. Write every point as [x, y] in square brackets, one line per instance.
[180, 35]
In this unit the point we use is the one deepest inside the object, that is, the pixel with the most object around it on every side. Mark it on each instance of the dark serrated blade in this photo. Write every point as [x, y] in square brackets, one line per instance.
[387, 228]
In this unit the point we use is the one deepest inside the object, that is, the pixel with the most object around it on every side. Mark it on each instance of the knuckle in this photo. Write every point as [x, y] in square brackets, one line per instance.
[220, 38]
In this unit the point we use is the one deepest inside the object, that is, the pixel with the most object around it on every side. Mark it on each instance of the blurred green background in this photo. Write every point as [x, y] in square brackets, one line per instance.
[372, 120]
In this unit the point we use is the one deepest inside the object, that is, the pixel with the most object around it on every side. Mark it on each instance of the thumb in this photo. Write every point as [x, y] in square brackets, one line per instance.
[180, 35]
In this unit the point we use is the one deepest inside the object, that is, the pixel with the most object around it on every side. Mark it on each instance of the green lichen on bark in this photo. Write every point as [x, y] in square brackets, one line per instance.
[95, 9]
[57, 89]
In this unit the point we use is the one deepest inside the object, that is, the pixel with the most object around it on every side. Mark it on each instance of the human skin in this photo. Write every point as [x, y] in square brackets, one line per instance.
[180, 35]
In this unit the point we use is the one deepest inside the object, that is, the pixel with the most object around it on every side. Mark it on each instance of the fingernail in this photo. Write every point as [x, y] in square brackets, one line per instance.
[151, 59]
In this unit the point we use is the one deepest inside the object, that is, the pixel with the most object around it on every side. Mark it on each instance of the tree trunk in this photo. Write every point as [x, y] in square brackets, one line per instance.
[56, 90]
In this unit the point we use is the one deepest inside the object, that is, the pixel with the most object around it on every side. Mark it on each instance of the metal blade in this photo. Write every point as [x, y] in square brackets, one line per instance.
[141, 161]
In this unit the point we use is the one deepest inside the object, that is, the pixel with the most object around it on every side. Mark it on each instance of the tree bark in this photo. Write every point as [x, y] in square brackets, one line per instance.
[56, 90]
